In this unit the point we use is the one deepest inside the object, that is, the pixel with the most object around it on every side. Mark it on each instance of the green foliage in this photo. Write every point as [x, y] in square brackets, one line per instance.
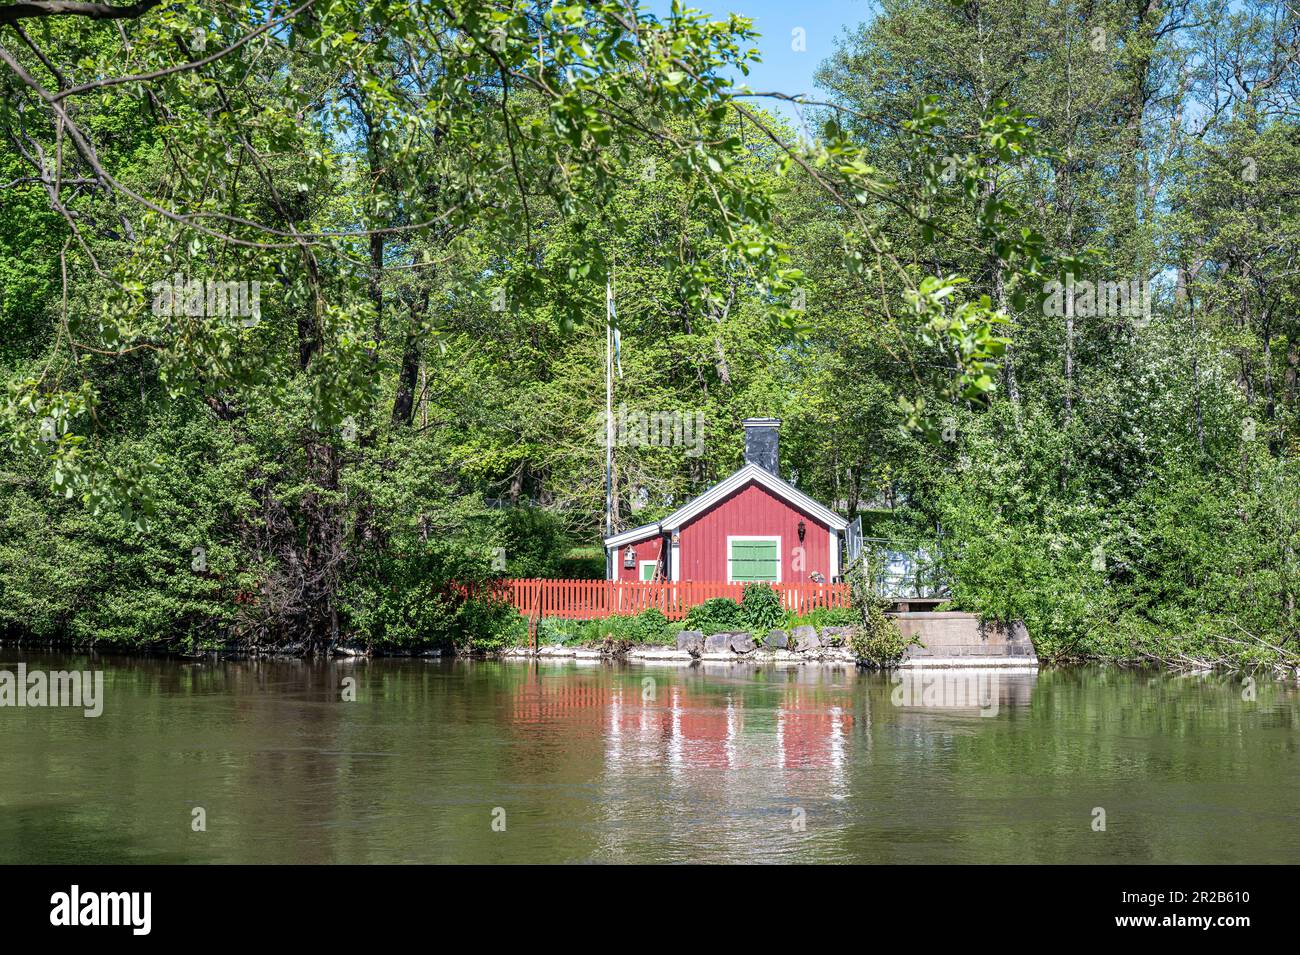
[582, 563]
[760, 606]
[408, 603]
[68, 574]
[653, 626]
[820, 617]
[617, 631]
[535, 542]
[877, 640]
[716, 615]
[1184, 566]
[464, 162]
[556, 630]
[485, 626]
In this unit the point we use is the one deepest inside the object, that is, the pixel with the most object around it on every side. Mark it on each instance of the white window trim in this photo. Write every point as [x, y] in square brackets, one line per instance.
[641, 566]
[748, 537]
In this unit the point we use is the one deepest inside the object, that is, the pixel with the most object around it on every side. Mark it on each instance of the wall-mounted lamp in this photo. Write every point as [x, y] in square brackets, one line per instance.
[677, 538]
[802, 531]
[629, 560]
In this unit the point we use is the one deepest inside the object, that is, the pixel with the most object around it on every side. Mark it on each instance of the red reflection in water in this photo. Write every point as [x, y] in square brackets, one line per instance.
[812, 729]
[562, 700]
[699, 729]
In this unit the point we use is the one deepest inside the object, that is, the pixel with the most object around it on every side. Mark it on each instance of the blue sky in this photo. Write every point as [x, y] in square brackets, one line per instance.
[783, 68]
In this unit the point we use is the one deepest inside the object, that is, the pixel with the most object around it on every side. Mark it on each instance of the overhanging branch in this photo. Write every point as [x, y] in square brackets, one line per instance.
[13, 12]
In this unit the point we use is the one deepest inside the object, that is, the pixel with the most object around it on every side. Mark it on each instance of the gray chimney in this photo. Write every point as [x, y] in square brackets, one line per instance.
[761, 443]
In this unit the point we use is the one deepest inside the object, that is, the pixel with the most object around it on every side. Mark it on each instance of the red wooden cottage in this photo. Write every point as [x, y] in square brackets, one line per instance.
[751, 526]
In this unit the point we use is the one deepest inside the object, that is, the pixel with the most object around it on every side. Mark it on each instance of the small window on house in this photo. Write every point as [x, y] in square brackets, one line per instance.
[750, 558]
[648, 568]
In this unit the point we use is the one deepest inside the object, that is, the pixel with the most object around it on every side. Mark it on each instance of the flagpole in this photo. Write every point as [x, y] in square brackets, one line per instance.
[609, 413]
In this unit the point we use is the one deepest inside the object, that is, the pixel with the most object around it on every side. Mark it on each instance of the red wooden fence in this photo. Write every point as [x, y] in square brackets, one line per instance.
[595, 599]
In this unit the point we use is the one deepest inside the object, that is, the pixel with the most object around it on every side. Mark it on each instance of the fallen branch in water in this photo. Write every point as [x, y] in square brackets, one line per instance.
[1287, 661]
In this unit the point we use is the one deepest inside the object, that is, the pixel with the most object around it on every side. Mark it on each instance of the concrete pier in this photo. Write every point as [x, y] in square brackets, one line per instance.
[959, 639]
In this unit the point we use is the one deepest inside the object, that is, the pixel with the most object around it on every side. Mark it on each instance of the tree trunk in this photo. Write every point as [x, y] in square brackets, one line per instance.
[404, 399]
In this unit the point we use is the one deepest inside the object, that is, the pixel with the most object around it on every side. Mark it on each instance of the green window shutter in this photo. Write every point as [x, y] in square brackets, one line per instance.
[647, 571]
[753, 560]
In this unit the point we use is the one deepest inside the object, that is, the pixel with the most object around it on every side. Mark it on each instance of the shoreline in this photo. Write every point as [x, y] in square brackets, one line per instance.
[663, 655]
[832, 656]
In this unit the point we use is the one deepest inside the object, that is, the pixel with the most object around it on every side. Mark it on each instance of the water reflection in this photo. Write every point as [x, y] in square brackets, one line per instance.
[648, 763]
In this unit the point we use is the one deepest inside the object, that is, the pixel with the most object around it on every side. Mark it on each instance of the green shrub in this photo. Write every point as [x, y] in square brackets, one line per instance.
[403, 598]
[67, 574]
[653, 626]
[760, 605]
[553, 630]
[716, 616]
[617, 629]
[613, 633]
[484, 626]
[877, 639]
[835, 617]
[821, 617]
[536, 543]
[649, 626]
[582, 563]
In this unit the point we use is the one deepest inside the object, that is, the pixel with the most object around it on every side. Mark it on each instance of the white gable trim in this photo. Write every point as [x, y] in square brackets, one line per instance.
[720, 491]
[752, 472]
[644, 532]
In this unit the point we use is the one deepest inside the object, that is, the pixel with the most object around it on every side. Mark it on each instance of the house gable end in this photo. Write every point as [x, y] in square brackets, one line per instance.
[749, 491]
[737, 482]
[755, 533]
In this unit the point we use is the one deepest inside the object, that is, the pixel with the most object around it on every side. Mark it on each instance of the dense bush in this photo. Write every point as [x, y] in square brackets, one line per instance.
[877, 639]
[556, 630]
[1176, 563]
[649, 626]
[407, 602]
[716, 615]
[582, 563]
[69, 575]
[653, 626]
[821, 617]
[535, 542]
[488, 625]
[760, 605]
[617, 631]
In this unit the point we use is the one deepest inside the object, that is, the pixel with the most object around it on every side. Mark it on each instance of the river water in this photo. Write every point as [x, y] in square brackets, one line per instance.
[448, 761]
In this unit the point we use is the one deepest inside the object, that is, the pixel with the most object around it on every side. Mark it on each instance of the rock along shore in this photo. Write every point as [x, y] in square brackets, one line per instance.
[945, 640]
[800, 646]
